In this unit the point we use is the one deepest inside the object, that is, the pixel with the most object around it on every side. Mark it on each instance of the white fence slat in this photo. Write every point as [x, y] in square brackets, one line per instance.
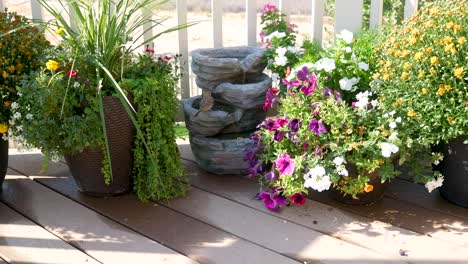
[36, 10]
[72, 18]
[1, 5]
[285, 8]
[376, 12]
[217, 14]
[411, 6]
[251, 22]
[348, 15]
[317, 20]
[183, 49]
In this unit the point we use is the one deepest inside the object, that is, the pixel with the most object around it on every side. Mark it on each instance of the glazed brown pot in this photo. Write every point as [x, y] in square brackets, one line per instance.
[86, 167]
[365, 198]
[3, 159]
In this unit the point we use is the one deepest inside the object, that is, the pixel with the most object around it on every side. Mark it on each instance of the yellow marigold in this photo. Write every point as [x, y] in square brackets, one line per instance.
[425, 91]
[447, 39]
[386, 77]
[389, 52]
[411, 113]
[432, 71]
[450, 48]
[441, 90]
[3, 128]
[5, 74]
[459, 72]
[457, 28]
[433, 11]
[11, 69]
[388, 64]
[397, 54]
[381, 62]
[418, 56]
[461, 40]
[52, 65]
[434, 60]
[406, 65]
[7, 103]
[428, 50]
[405, 53]
[59, 31]
[413, 40]
[396, 45]
[449, 25]
[428, 24]
[400, 101]
[447, 87]
[421, 74]
[414, 32]
[405, 75]
[376, 75]
[368, 188]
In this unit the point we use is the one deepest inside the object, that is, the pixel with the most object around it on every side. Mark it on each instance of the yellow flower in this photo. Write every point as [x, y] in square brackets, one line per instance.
[449, 25]
[376, 75]
[450, 47]
[425, 91]
[388, 64]
[428, 50]
[411, 113]
[448, 39]
[441, 90]
[5, 74]
[11, 69]
[404, 75]
[432, 71]
[389, 52]
[450, 119]
[406, 65]
[7, 103]
[434, 60]
[413, 41]
[52, 65]
[3, 128]
[421, 74]
[418, 56]
[399, 101]
[459, 72]
[59, 31]
[368, 188]
[461, 40]
[447, 87]
[405, 53]
[386, 77]
[457, 28]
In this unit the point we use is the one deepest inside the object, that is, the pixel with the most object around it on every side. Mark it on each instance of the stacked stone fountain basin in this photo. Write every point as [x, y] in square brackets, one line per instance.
[221, 120]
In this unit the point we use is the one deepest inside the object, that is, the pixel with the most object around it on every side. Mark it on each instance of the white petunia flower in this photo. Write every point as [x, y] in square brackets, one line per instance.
[14, 105]
[348, 49]
[398, 120]
[374, 103]
[348, 84]
[388, 149]
[393, 136]
[363, 66]
[346, 35]
[392, 112]
[317, 180]
[17, 115]
[281, 51]
[385, 115]
[354, 58]
[275, 34]
[343, 171]
[281, 60]
[431, 185]
[338, 161]
[19, 128]
[362, 99]
[76, 85]
[29, 116]
[325, 64]
[392, 125]
[293, 49]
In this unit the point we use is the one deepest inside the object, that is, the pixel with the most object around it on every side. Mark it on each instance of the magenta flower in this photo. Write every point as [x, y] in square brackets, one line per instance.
[298, 199]
[262, 37]
[271, 99]
[294, 125]
[285, 164]
[318, 127]
[279, 135]
[71, 74]
[272, 175]
[303, 74]
[272, 201]
[271, 124]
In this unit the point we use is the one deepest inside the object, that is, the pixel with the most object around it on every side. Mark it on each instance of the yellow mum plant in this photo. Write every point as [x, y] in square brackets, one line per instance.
[423, 72]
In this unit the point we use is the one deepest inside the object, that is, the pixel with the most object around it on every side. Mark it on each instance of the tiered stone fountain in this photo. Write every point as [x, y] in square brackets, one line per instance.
[221, 121]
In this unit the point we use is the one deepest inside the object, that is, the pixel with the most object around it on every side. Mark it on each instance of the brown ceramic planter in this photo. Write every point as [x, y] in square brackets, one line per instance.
[86, 167]
[363, 198]
[3, 159]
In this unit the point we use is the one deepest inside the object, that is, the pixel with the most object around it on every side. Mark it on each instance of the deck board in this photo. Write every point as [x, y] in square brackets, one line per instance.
[375, 235]
[193, 238]
[22, 241]
[98, 236]
[407, 214]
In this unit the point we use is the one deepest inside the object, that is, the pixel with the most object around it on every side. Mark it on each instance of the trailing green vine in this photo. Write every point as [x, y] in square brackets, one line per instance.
[154, 92]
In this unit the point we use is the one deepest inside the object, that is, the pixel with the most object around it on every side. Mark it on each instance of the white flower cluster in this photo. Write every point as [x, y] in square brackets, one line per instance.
[325, 64]
[349, 84]
[345, 35]
[281, 59]
[388, 149]
[436, 183]
[363, 99]
[317, 179]
[275, 34]
[340, 166]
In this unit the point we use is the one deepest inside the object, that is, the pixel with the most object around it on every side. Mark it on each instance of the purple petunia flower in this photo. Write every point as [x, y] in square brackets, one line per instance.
[285, 164]
[303, 74]
[294, 124]
[318, 151]
[279, 135]
[318, 127]
[272, 201]
[271, 124]
[327, 92]
[272, 175]
[338, 96]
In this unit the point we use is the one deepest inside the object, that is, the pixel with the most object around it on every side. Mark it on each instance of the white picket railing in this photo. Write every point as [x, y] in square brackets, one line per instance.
[348, 15]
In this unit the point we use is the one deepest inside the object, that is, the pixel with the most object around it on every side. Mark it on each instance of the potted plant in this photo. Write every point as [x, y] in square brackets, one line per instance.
[21, 43]
[422, 76]
[80, 102]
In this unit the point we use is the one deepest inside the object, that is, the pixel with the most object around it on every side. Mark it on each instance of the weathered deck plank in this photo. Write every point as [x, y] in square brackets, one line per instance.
[22, 241]
[193, 238]
[375, 235]
[98, 236]
[403, 213]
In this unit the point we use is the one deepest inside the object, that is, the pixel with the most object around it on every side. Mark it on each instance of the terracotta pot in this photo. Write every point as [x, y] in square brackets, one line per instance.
[3, 159]
[454, 167]
[363, 198]
[86, 166]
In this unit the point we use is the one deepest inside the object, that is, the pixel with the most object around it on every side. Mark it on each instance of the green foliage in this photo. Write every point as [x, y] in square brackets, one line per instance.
[21, 45]
[153, 85]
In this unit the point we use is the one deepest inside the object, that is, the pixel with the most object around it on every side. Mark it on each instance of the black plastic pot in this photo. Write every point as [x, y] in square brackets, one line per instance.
[454, 167]
[3, 159]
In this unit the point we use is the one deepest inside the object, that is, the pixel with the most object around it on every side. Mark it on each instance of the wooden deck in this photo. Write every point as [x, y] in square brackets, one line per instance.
[44, 219]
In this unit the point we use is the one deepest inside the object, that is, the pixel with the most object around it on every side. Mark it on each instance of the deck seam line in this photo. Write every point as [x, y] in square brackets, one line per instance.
[45, 229]
[101, 214]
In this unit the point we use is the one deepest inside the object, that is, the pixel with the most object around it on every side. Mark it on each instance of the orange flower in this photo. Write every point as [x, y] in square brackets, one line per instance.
[412, 113]
[441, 90]
[461, 40]
[434, 60]
[368, 188]
[450, 119]
[459, 72]
[421, 74]
[7, 103]
[425, 91]
[386, 77]
[418, 56]
[405, 75]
